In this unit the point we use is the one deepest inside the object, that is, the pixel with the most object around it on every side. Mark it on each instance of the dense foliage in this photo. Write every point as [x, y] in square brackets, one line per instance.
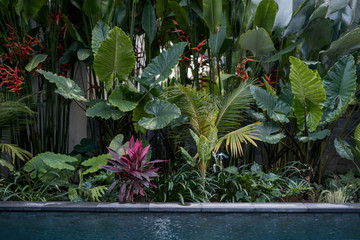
[243, 97]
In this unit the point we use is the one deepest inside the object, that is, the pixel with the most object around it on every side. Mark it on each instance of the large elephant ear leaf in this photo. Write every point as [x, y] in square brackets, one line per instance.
[115, 57]
[94, 163]
[163, 112]
[44, 162]
[273, 107]
[257, 41]
[99, 34]
[270, 132]
[124, 98]
[58, 161]
[105, 110]
[65, 86]
[160, 67]
[309, 95]
[340, 87]
[343, 149]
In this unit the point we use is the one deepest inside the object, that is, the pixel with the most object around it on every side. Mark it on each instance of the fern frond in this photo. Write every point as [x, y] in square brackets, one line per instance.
[231, 108]
[97, 192]
[234, 139]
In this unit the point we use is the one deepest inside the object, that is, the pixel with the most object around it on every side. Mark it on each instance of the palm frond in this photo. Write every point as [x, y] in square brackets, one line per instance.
[234, 139]
[14, 115]
[199, 106]
[231, 108]
[14, 151]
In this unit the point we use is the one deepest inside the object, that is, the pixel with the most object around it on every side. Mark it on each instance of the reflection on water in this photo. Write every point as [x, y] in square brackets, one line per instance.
[151, 226]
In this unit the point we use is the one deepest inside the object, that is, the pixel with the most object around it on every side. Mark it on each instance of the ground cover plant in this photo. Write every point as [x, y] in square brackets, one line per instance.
[242, 98]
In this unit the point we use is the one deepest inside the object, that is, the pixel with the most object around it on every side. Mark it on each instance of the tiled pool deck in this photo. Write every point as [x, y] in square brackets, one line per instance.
[176, 207]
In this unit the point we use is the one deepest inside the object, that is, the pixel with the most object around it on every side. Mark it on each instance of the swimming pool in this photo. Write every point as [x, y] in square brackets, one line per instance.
[151, 226]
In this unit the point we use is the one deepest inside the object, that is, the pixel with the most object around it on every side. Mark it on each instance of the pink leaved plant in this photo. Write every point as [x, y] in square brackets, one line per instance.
[134, 168]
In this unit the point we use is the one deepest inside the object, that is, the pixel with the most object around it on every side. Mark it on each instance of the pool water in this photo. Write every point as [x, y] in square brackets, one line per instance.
[151, 226]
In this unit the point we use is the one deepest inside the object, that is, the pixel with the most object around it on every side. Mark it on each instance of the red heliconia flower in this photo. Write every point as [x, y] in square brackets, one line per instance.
[133, 168]
[241, 70]
[11, 78]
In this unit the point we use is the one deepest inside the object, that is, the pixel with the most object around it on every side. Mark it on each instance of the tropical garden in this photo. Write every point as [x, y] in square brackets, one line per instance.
[182, 100]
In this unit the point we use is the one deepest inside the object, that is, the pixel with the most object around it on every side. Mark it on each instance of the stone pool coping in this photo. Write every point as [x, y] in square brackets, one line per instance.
[178, 208]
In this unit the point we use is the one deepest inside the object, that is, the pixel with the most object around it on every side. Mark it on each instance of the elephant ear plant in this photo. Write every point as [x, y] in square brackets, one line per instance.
[133, 168]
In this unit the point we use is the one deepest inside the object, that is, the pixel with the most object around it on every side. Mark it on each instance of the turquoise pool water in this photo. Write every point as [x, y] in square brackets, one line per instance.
[160, 226]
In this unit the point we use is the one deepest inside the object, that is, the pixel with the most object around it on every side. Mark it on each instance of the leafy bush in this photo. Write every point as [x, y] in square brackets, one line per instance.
[132, 168]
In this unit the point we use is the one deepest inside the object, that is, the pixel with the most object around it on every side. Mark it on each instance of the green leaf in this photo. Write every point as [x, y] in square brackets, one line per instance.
[34, 61]
[161, 66]
[257, 41]
[149, 21]
[256, 169]
[44, 162]
[309, 95]
[203, 149]
[194, 136]
[95, 163]
[232, 107]
[319, 27]
[28, 8]
[57, 161]
[73, 195]
[73, 32]
[269, 133]
[277, 56]
[232, 170]
[65, 86]
[190, 160]
[217, 39]
[313, 136]
[163, 111]
[4, 163]
[265, 15]
[212, 13]
[99, 34]
[343, 149]
[347, 44]
[105, 110]
[160, 8]
[116, 143]
[115, 58]
[96, 9]
[212, 138]
[319, 12]
[357, 136]
[125, 99]
[340, 87]
[269, 104]
[35, 166]
[180, 16]
[83, 54]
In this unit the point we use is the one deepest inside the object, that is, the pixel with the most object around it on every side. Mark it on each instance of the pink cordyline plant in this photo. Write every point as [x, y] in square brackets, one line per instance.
[133, 168]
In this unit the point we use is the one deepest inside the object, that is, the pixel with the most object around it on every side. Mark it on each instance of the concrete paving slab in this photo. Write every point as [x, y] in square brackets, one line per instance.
[122, 207]
[280, 207]
[70, 206]
[227, 207]
[333, 207]
[175, 207]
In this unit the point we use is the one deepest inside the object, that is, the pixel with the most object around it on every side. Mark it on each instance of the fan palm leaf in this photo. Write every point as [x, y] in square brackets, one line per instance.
[231, 108]
[14, 151]
[234, 139]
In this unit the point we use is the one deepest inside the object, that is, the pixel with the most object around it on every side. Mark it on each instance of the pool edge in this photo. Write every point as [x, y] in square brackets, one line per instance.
[13, 206]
